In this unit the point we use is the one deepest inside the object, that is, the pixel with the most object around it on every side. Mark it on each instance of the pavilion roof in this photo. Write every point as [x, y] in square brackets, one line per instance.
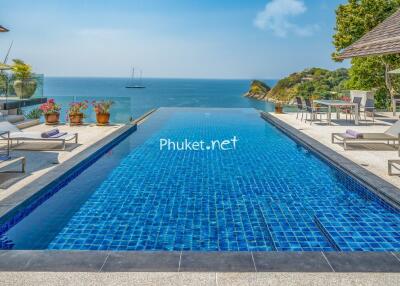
[384, 39]
[2, 29]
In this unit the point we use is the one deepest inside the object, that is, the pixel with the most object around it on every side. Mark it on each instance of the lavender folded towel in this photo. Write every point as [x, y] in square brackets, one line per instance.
[58, 135]
[354, 134]
[50, 133]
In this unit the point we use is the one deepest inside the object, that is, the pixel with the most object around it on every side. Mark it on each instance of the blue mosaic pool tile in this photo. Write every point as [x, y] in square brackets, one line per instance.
[362, 231]
[264, 196]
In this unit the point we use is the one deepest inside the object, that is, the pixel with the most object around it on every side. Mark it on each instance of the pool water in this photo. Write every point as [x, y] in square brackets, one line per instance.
[266, 194]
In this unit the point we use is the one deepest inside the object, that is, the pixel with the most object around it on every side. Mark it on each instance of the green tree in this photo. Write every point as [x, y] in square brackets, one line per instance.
[353, 20]
[21, 70]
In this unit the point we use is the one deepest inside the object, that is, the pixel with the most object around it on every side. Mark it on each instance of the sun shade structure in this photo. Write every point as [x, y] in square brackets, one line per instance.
[384, 39]
[2, 29]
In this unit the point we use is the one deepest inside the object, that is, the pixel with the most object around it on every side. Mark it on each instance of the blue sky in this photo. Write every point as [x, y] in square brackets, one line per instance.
[170, 38]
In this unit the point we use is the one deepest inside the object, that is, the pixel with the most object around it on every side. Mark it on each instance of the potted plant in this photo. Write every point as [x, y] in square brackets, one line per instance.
[24, 83]
[51, 111]
[278, 107]
[75, 112]
[35, 113]
[102, 109]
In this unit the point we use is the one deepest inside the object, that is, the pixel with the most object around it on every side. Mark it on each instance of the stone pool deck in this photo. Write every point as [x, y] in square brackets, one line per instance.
[39, 163]
[201, 279]
[370, 156]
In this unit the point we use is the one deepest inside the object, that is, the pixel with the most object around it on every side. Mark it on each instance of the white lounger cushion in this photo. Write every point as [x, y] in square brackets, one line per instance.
[38, 136]
[14, 118]
[15, 133]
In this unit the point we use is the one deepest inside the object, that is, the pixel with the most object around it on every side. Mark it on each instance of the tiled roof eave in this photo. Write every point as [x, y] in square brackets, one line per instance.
[382, 40]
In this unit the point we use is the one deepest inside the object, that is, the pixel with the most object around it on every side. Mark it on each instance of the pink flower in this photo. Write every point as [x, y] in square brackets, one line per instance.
[50, 107]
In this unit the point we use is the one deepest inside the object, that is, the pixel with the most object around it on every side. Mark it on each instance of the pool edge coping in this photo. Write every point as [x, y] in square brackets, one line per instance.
[188, 261]
[380, 187]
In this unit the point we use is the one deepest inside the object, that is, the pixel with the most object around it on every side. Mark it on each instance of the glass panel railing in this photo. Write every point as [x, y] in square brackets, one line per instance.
[120, 111]
[16, 94]
[127, 103]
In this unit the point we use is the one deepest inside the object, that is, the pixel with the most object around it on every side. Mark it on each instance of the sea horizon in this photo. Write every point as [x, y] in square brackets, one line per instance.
[166, 78]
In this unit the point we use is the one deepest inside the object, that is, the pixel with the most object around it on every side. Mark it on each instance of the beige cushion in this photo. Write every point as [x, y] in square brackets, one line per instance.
[14, 118]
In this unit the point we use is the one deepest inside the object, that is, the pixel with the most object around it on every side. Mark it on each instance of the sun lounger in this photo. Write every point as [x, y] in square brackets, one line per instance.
[18, 135]
[390, 135]
[11, 162]
[393, 164]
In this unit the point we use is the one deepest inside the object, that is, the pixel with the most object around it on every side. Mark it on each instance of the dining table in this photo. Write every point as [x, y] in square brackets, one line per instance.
[338, 104]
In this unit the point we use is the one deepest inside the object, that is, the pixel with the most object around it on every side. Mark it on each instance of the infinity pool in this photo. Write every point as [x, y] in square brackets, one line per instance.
[263, 193]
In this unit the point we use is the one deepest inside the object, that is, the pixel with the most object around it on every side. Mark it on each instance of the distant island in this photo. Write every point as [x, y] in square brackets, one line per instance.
[310, 83]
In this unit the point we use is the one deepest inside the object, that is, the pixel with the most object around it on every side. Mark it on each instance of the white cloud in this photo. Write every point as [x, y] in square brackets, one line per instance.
[276, 14]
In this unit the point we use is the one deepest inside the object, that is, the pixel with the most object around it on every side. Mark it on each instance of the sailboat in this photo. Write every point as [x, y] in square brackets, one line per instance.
[132, 84]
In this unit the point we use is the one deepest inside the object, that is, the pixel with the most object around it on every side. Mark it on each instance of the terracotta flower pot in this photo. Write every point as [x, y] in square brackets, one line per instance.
[103, 118]
[278, 109]
[52, 118]
[75, 119]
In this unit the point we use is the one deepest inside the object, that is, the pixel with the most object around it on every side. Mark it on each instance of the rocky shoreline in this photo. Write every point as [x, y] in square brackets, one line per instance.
[258, 90]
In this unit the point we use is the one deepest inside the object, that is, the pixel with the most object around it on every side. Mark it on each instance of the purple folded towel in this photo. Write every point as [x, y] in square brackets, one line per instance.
[58, 135]
[50, 133]
[354, 134]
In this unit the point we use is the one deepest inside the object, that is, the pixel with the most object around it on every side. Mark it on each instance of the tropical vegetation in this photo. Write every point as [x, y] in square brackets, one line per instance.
[23, 79]
[353, 20]
[21, 70]
[311, 83]
[35, 113]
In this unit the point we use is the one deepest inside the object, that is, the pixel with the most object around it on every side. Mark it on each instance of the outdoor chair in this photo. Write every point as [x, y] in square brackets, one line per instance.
[369, 108]
[313, 111]
[349, 110]
[17, 135]
[392, 134]
[300, 107]
[6, 161]
[393, 164]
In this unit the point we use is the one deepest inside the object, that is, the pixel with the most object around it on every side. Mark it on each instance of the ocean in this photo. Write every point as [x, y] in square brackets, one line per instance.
[131, 103]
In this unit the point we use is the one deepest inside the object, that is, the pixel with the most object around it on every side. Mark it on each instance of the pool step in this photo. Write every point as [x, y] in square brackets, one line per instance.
[326, 234]
[266, 226]
[360, 230]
